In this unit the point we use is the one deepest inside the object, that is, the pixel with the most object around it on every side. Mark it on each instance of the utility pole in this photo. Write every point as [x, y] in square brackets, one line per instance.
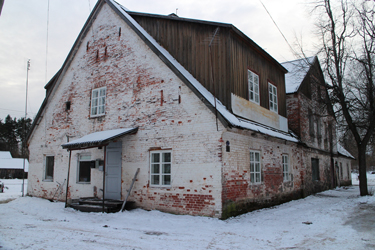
[24, 129]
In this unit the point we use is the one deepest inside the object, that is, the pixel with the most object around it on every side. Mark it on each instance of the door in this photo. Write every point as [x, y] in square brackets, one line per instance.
[113, 171]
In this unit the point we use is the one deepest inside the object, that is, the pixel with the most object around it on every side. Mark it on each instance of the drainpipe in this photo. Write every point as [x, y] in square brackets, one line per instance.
[105, 153]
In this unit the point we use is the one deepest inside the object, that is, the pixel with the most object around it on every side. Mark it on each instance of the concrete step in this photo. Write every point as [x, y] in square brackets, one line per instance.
[96, 205]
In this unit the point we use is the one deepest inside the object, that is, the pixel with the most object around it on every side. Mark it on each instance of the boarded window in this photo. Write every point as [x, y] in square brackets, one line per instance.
[255, 169]
[98, 102]
[253, 81]
[160, 168]
[315, 169]
[50, 162]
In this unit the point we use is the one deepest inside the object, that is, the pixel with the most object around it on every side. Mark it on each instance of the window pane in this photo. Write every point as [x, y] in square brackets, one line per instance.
[155, 157]
[95, 93]
[166, 157]
[256, 98]
[257, 167]
[166, 168]
[252, 179]
[102, 92]
[84, 171]
[256, 79]
[166, 180]
[101, 110]
[94, 111]
[155, 169]
[155, 179]
[85, 158]
[257, 157]
[251, 167]
[257, 177]
[251, 156]
[49, 167]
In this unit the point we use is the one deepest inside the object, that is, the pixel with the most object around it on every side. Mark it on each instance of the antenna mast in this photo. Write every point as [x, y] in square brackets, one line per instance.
[24, 129]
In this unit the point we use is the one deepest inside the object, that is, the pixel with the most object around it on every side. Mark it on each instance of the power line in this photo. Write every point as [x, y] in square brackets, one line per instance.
[16, 110]
[294, 52]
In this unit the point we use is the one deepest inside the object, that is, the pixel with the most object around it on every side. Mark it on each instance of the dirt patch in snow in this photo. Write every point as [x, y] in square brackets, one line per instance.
[363, 218]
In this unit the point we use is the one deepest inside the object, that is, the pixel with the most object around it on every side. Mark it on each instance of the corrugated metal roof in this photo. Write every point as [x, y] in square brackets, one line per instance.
[98, 139]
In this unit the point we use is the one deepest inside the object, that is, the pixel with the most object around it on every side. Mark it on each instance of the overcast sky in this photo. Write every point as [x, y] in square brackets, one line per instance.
[23, 36]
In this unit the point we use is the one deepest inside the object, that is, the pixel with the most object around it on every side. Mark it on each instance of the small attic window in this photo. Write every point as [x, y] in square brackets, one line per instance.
[119, 31]
[67, 105]
[87, 46]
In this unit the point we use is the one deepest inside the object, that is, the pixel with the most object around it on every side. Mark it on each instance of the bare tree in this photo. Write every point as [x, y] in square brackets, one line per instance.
[348, 46]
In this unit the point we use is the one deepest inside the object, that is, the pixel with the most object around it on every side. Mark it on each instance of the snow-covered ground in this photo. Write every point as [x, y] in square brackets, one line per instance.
[334, 219]
[12, 189]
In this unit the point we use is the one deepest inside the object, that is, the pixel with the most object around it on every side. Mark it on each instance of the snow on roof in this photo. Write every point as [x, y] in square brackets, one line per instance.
[341, 150]
[5, 155]
[232, 119]
[97, 138]
[297, 72]
[14, 163]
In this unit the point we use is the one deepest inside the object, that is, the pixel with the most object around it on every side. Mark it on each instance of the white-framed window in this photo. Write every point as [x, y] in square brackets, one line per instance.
[84, 169]
[273, 97]
[160, 168]
[49, 165]
[286, 169]
[253, 81]
[98, 101]
[255, 169]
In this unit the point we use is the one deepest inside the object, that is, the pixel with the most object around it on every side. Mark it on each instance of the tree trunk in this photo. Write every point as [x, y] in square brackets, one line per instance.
[362, 171]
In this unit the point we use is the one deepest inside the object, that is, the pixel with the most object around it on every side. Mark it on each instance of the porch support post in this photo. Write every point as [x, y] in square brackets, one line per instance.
[67, 182]
[105, 155]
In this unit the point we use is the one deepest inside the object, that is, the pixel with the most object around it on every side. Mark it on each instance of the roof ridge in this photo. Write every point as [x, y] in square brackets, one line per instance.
[298, 59]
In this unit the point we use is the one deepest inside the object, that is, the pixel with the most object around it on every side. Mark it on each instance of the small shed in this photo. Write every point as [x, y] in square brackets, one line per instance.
[11, 168]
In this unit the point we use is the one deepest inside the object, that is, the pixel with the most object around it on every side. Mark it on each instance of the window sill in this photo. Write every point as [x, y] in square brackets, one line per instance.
[83, 182]
[48, 180]
[160, 187]
[276, 112]
[96, 116]
[258, 103]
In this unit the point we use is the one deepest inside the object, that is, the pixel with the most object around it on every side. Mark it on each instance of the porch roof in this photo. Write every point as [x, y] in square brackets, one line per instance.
[98, 139]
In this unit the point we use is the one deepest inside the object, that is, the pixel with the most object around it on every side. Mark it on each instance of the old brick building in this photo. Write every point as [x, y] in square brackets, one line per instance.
[311, 118]
[196, 106]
